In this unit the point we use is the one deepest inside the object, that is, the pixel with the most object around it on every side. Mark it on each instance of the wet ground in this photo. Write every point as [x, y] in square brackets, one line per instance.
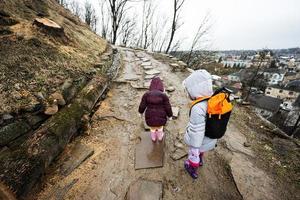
[115, 131]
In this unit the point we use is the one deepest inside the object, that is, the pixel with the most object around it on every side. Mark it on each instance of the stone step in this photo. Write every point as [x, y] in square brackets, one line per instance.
[148, 67]
[146, 64]
[178, 154]
[170, 89]
[149, 154]
[147, 84]
[152, 72]
[145, 190]
[175, 112]
[174, 65]
[149, 76]
[145, 59]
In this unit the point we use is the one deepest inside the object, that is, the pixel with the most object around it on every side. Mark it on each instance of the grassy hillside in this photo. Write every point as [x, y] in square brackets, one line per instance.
[35, 62]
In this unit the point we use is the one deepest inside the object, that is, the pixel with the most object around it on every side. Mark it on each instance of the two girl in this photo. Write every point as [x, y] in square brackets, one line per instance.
[198, 86]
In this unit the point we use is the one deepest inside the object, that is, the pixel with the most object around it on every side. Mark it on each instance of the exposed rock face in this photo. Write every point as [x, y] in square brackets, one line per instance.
[170, 89]
[251, 181]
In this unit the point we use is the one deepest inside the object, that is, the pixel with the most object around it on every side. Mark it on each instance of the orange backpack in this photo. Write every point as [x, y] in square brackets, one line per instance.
[219, 109]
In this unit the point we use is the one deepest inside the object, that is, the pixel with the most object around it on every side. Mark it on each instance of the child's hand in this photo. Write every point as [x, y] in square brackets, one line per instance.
[170, 118]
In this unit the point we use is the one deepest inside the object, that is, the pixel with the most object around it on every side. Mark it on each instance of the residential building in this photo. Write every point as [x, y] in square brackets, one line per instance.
[237, 63]
[287, 105]
[290, 76]
[235, 77]
[273, 75]
[298, 66]
[281, 93]
[236, 90]
[266, 106]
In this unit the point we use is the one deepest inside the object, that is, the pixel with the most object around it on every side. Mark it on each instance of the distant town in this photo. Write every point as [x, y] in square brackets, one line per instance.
[267, 79]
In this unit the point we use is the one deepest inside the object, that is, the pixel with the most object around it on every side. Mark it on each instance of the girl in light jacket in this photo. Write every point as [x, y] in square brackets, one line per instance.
[198, 85]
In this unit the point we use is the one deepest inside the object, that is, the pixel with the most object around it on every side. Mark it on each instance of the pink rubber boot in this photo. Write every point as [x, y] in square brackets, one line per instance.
[153, 136]
[160, 135]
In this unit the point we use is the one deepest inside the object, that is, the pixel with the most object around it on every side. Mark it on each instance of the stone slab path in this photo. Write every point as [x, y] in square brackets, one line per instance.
[252, 182]
[115, 135]
[145, 190]
[149, 154]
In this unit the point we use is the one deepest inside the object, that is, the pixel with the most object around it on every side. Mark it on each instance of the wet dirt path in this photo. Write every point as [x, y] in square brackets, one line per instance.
[115, 130]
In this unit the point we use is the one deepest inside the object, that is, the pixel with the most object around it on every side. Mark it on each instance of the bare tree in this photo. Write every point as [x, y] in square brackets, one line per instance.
[75, 8]
[90, 17]
[104, 20]
[295, 127]
[261, 56]
[141, 39]
[293, 119]
[177, 6]
[154, 35]
[117, 11]
[149, 12]
[163, 42]
[176, 46]
[159, 37]
[62, 2]
[202, 31]
[127, 30]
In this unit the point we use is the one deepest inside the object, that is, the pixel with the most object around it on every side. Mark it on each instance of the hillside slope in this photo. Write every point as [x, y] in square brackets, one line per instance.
[35, 61]
[245, 164]
[52, 72]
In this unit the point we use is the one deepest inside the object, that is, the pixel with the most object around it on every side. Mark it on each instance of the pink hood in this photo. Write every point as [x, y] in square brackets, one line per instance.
[156, 84]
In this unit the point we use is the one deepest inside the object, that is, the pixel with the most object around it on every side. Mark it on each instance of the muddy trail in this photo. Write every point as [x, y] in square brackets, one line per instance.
[115, 131]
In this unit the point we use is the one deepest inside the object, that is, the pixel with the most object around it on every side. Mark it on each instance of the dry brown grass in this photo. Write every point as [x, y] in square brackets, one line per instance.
[38, 61]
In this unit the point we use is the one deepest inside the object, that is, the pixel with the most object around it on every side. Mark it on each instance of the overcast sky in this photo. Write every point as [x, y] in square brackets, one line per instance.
[240, 24]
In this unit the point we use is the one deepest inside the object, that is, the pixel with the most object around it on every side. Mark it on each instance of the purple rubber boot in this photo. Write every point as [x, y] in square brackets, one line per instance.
[201, 159]
[191, 170]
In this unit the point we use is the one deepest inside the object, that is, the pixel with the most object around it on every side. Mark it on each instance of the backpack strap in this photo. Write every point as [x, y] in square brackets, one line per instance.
[198, 101]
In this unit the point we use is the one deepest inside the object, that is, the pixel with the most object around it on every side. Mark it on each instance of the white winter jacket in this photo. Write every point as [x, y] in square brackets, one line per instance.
[197, 85]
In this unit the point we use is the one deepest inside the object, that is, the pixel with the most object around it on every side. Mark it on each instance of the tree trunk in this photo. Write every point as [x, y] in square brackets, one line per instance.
[22, 168]
[173, 27]
[253, 79]
[49, 26]
[295, 126]
[189, 58]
